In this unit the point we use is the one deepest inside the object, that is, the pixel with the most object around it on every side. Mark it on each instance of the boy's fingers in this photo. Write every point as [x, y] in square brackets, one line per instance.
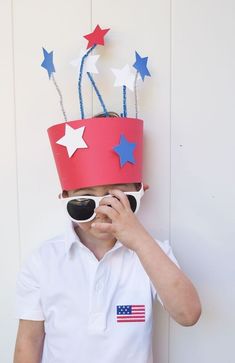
[113, 202]
[109, 212]
[121, 196]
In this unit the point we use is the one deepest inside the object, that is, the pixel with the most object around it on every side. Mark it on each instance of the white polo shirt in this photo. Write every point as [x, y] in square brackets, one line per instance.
[94, 311]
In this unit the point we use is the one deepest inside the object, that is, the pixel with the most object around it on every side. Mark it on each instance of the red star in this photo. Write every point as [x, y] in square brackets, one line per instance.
[96, 37]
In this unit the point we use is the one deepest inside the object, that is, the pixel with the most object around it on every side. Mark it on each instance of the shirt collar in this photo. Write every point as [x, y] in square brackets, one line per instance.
[71, 238]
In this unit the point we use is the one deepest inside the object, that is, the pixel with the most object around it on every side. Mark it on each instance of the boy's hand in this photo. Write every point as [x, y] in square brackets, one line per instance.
[124, 224]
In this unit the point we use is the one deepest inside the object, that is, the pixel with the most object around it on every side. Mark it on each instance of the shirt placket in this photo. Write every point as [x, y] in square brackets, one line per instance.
[97, 314]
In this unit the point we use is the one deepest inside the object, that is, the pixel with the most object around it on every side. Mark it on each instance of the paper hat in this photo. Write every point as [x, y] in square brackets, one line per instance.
[98, 150]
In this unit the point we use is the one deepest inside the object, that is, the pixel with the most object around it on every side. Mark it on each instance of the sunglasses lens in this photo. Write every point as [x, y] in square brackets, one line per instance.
[81, 209]
[132, 202]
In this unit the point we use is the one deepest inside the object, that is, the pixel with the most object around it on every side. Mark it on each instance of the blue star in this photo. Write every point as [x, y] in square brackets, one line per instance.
[125, 151]
[141, 65]
[48, 62]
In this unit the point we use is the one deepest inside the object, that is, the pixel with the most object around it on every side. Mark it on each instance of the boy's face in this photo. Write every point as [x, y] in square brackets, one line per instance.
[99, 191]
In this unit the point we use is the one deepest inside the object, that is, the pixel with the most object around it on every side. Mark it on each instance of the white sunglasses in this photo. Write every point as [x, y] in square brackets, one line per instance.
[82, 208]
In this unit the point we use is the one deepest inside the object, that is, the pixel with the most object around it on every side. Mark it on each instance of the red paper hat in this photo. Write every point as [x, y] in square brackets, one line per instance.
[98, 151]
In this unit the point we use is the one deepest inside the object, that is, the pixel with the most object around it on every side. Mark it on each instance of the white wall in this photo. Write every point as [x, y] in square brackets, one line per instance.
[189, 118]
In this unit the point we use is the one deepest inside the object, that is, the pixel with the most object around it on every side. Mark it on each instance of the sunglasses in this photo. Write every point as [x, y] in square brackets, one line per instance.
[82, 208]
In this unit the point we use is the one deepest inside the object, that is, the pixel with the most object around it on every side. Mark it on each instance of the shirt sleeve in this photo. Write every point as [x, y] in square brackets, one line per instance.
[28, 298]
[166, 247]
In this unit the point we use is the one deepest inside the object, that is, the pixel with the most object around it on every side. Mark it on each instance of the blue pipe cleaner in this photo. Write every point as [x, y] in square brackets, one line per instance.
[80, 80]
[98, 94]
[124, 102]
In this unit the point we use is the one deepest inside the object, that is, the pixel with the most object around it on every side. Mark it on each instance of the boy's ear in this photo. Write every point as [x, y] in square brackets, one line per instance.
[146, 187]
[64, 194]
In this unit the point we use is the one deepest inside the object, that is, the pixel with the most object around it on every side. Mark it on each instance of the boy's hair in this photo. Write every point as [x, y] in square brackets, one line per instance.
[110, 114]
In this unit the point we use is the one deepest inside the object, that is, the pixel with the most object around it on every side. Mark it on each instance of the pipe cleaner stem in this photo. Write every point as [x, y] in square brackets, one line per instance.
[98, 94]
[80, 80]
[136, 99]
[124, 101]
[60, 95]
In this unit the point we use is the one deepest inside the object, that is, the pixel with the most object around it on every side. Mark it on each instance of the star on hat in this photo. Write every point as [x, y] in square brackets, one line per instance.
[124, 77]
[125, 150]
[89, 65]
[48, 62]
[72, 139]
[141, 65]
[96, 37]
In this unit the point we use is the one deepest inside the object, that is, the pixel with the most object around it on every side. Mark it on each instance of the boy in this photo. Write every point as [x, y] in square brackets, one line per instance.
[87, 295]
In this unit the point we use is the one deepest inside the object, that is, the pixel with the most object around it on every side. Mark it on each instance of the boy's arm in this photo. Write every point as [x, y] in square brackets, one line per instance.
[28, 309]
[176, 291]
[29, 341]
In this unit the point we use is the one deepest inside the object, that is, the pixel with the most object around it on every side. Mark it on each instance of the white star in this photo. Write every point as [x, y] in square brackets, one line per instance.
[72, 139]
[89, 63]
[124, 77]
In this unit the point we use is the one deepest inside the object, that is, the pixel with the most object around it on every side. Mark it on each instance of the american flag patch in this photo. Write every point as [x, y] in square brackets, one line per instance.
[130, 313]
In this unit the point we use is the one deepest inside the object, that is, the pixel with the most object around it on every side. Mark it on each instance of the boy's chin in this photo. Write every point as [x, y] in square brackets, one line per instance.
[102, 236]
[98, 232]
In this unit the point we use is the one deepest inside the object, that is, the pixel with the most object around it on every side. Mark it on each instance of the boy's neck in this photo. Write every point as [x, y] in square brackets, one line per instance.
[97, 246]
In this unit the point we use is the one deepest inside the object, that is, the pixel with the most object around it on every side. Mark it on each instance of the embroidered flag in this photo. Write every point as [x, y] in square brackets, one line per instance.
[130, 313]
